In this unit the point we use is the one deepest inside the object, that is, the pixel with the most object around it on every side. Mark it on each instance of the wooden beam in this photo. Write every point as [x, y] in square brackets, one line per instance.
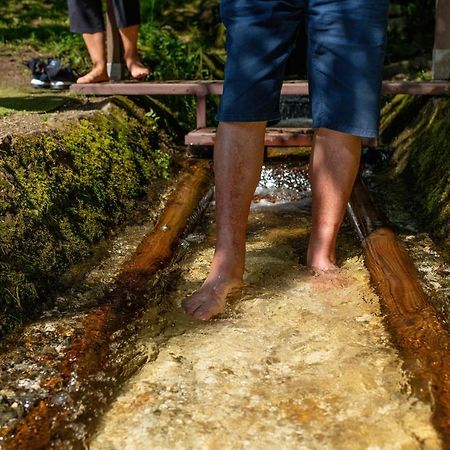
[418, 332]
[441, 51]
[199, 88]
[203, 88]
[275, 137]
[280, 137]
[114, 51]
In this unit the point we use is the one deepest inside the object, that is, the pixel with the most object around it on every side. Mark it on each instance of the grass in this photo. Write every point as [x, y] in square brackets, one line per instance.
[17, 100]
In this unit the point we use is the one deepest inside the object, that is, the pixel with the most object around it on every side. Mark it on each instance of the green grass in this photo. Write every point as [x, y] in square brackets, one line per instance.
[27, 100]
[43, 27]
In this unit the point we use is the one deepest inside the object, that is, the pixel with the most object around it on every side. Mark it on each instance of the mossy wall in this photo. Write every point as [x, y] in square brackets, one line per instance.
[418, 129]
[63, 189]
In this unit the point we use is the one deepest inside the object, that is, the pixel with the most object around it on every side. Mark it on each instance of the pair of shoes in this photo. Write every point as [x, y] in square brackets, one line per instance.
[50, 74]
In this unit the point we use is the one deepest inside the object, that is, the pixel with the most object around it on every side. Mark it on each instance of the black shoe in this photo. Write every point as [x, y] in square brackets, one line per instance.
[39, 77]
[60, 77]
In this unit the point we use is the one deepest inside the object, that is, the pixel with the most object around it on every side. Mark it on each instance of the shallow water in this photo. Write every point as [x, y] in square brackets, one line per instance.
[289, 365]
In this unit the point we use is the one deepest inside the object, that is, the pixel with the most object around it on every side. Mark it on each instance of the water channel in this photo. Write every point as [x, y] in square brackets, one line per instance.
[291, 364]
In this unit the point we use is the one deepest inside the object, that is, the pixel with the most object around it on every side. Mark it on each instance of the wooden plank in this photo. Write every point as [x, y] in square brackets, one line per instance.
[203, 88]
[416, 87]
[441, 51]
[199, 88]
[284, 137]
[114, 50]
[275, 137]
[422, 338]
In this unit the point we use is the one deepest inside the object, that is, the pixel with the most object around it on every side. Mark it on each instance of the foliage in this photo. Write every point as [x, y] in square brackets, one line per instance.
[62, 191]
[410, 30]
[422, 154]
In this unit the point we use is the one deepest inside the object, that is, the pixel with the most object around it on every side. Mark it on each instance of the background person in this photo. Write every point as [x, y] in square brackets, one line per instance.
[86, 17]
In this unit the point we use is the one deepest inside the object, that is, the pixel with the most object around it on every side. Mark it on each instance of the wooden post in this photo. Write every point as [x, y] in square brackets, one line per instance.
[441, 51]
[201, 111]
[114, 50]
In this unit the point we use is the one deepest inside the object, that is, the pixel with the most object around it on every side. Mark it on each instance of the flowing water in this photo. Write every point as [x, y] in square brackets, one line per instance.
[292, 364]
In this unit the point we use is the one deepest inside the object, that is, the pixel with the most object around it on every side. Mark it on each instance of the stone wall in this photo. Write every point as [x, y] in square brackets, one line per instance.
[63, 188]
[418, 130]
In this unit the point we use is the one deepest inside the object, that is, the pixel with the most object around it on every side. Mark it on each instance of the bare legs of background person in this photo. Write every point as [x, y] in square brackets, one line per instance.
[238, 158]
[95, 43]
[129, 37]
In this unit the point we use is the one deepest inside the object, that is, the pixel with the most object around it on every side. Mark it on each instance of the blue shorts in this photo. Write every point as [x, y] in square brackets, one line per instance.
[346, 43]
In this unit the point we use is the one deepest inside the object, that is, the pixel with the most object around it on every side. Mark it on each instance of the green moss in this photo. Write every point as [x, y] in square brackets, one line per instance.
[422, 157]
[62, 191]
[398, 113]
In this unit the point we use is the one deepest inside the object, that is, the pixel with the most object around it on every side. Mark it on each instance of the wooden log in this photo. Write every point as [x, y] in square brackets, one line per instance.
[417, 330]
[90, 351]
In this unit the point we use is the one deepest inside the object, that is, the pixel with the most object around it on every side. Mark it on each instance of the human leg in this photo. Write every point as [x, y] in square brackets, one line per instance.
[129, 37]
[128, 17]
[260, 36]
[238, 158]
[332, 171]
[346, 40]
[86, 18]
[95, 43]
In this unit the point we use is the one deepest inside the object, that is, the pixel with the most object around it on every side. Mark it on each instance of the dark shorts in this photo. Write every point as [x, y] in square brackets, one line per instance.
[346, 42]
[86, 16]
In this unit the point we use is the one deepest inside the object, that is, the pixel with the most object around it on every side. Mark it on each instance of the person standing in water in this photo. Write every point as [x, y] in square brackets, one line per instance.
[86, 17]
[346, 44]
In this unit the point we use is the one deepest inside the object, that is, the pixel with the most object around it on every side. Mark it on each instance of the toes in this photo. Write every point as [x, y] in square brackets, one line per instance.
[190, 304]
[205, 312]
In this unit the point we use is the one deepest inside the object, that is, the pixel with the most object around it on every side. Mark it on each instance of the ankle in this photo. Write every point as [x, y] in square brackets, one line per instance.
[99, 66]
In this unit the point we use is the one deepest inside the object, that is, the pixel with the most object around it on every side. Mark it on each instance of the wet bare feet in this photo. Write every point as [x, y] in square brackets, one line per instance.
[98, 74]
[137, 70]
[323, 279]
[210, 299]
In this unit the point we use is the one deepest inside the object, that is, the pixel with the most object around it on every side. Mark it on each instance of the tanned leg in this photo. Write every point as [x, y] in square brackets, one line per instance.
[129, 37]
[95, 43]
[238, 158]
[332, 171]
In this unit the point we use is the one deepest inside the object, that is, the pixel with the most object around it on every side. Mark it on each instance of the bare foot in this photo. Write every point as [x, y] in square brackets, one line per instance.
[137, 70]
[324, 279]
[96, 75]
[210, 299]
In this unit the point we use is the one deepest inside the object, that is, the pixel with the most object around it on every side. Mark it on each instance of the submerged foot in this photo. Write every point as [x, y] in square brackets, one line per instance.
[330, 277]
[96, 75]
[210, 299]
[137, 70]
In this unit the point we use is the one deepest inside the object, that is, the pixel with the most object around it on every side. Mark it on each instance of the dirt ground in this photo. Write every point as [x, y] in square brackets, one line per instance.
[15, 74]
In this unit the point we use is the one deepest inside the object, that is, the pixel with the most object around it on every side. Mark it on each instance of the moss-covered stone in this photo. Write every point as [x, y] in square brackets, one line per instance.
[63, 189]
[422, 154]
